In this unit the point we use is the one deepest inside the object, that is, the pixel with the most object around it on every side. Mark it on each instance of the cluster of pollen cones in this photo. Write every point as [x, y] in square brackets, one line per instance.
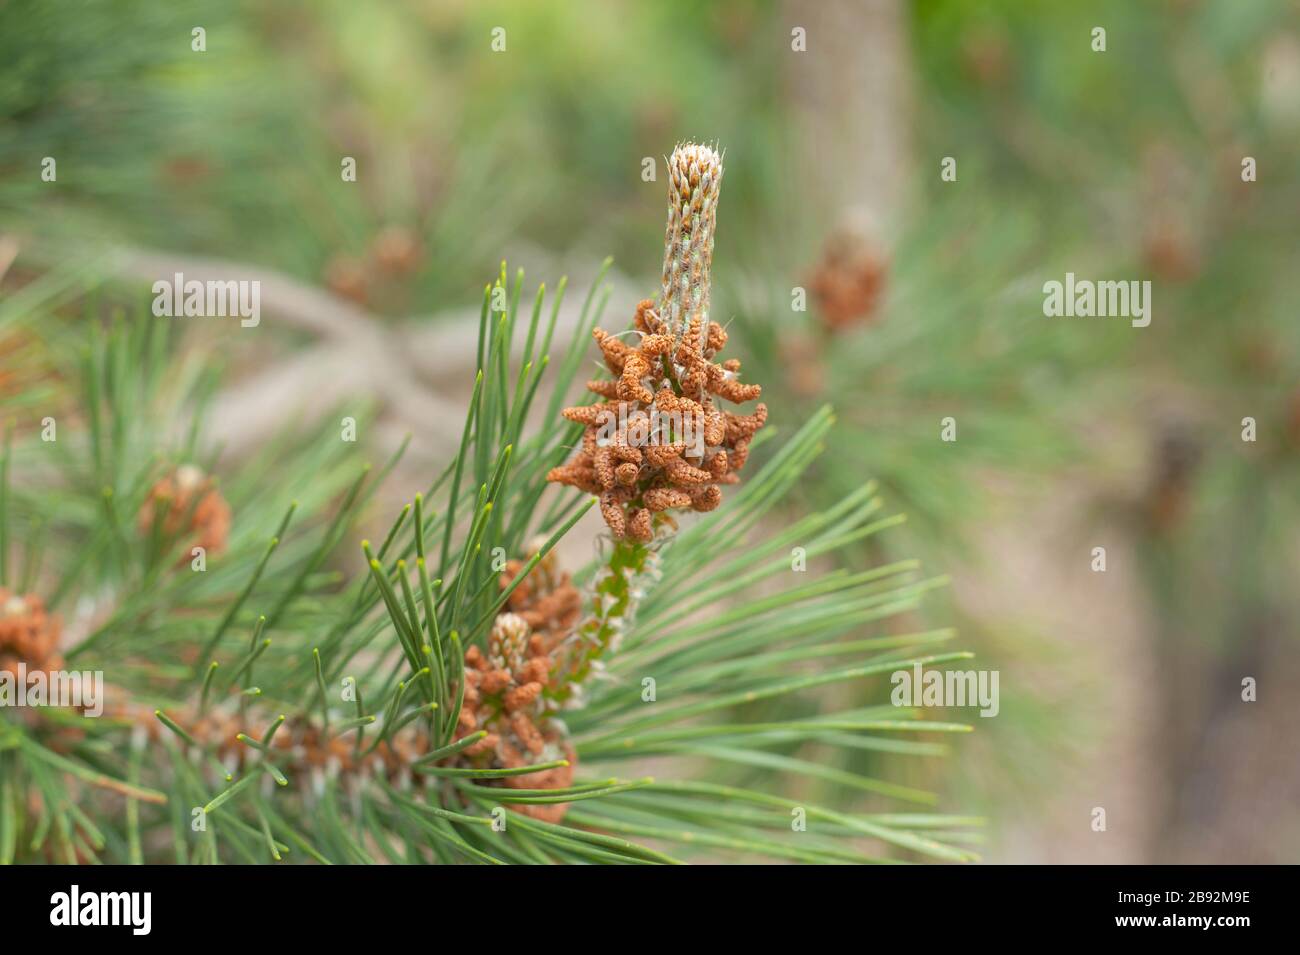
[659, 441]
[28, 634]
[505, 686]
[187, 502]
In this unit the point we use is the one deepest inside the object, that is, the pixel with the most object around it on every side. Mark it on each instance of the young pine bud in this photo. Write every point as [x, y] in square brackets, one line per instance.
[694, 181]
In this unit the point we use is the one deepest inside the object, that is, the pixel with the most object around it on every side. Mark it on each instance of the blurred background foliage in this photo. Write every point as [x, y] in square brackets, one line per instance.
[1121, 689]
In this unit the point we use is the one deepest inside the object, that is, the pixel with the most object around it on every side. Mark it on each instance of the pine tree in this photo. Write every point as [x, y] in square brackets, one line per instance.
[469, 699]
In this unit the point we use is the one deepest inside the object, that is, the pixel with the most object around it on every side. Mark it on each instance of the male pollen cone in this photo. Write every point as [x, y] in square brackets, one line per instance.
[659, 441]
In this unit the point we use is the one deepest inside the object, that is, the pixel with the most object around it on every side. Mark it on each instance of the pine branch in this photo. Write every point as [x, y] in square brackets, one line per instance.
[465, 699]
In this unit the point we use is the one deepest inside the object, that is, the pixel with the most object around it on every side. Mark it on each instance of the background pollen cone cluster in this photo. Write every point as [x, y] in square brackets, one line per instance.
[505, 687]
[187, 502]
[658, 440]
[28, 634]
